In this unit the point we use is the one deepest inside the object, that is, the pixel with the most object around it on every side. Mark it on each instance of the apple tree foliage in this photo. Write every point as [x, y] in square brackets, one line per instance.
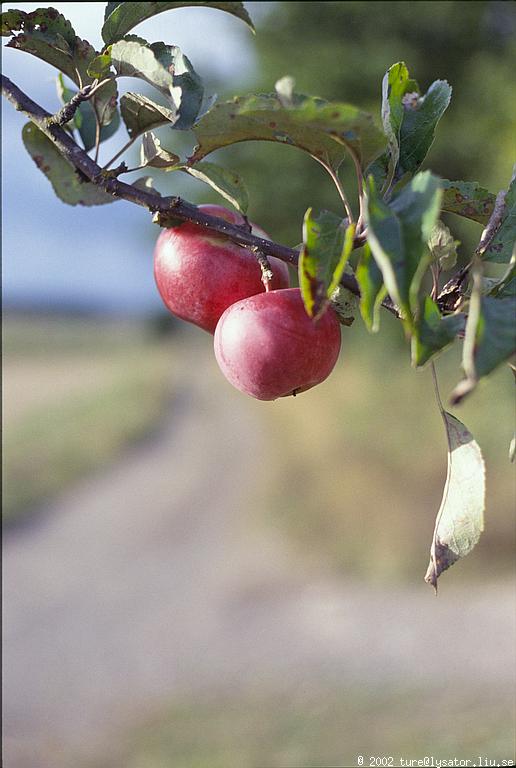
[405, 260]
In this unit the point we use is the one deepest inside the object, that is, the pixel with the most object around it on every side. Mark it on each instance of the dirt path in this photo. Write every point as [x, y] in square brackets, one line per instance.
[147, 581]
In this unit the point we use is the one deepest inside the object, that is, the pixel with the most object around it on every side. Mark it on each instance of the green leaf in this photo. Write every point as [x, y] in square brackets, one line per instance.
[502, 246]
[460, 519]
[227, 183]
[323, 129]
[395, 85]
[63, 91]
[467, 199]
[45, 33]
[418, 127]
[136, 59]
[167, 69]
[65, 180]
[327, 244]
[398, 235]
[433, 332]
[110, 7]
[188, 90]
[495, 339]
[84, 119]
[153, 154]
[342, 263]
[140, 114]
[414, 119]
[100, 66]
[443, 246]
[104, 103]
[121, 17]
[490, 337]
[372, 289]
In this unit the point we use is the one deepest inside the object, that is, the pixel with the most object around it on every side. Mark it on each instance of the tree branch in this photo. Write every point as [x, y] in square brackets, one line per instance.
[66, 112]
[173, 207]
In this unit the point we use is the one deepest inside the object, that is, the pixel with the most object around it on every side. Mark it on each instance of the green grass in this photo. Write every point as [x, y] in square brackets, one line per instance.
[54, 440]
[40, 336]
[318, 727]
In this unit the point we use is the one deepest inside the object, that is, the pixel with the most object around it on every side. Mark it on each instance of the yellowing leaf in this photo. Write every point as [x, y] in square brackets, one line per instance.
[327, 244]
[460, 519]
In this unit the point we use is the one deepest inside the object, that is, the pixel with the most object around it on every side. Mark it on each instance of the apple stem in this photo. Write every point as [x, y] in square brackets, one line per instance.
[267, 274]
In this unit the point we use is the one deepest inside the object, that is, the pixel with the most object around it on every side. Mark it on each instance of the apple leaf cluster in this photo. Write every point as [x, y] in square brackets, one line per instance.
[397, 254]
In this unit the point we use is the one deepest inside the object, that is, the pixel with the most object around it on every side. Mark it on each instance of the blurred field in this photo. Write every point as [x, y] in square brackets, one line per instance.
[322, 727]
[245, 587]
[75, 393]
[354, 469]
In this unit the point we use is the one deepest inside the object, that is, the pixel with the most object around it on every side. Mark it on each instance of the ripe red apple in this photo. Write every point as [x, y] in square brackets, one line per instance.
[268, 347]
[199, 273]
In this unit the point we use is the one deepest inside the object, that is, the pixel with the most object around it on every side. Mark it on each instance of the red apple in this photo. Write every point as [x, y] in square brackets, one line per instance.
[199, 274]
[268, 347]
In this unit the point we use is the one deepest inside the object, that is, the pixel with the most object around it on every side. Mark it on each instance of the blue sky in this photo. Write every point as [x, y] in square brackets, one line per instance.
[98, 257]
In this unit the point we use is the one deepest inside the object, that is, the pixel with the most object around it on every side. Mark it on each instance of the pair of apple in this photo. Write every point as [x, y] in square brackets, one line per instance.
[265, 343]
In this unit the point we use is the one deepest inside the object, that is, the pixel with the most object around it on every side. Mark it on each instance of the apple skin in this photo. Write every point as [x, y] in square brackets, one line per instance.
[199, 273]
[268, 347]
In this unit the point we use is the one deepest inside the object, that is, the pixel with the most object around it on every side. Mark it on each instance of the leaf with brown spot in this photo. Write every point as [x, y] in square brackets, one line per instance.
[326, 130]
[467, 199]
[65, 180]
[46, 34]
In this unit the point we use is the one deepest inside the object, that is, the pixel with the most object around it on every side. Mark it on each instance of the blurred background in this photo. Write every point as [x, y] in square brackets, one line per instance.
[193, 578]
